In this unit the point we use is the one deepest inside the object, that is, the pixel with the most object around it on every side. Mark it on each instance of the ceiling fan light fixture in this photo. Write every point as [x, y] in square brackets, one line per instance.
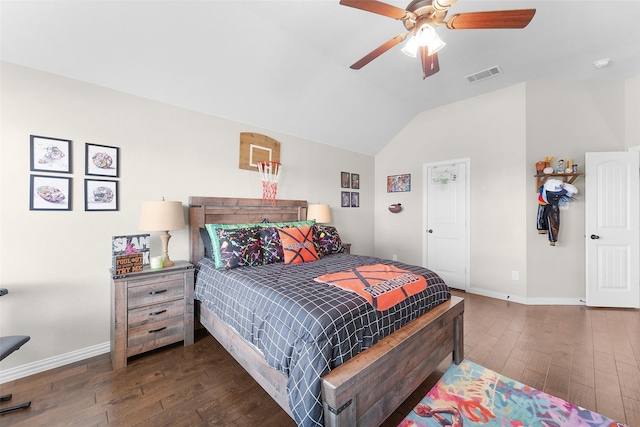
[435, 45]
[411, 47]
[426, 36]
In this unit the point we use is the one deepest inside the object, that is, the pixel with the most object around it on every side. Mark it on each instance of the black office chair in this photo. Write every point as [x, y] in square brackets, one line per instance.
[7, 346]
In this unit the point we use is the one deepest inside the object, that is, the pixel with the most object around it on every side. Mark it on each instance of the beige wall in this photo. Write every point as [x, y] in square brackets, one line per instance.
[55, 264]
[490, 131]
[566, 120]
[503, 134]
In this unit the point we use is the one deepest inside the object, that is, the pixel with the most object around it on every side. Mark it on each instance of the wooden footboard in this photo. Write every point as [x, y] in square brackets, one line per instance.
[365, 390]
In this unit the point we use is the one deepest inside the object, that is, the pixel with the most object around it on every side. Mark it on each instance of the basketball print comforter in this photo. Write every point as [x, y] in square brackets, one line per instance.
[305, 328]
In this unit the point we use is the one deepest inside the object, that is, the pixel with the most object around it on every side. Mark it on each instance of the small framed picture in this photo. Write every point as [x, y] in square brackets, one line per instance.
[50, 193]
[345, 179]
[100, 195]
[345, 199]
[101, 160]
[398, 183]
[355, 199]
[50, 154]
[355, 180]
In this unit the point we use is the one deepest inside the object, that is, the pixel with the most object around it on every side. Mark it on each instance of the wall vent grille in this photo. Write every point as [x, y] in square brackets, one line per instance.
[484, 74]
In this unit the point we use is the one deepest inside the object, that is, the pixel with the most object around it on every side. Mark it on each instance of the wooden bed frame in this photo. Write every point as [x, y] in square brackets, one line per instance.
[365, 390]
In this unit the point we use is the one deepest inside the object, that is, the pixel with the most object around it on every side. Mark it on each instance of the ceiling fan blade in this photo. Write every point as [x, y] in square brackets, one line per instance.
[430, 63]
[377, 7]
[488, 20]
[379, 51]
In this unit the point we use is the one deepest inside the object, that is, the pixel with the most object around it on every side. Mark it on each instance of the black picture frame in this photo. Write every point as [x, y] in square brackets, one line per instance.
[345, 199]
[50, 193]
[345, 180]
[102, 160]
[101, 195]
[399, 183]
[50, 154]
[355, 181]
[355, 199]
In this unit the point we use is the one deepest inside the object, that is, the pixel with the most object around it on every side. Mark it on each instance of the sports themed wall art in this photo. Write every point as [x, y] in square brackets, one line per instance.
[50, 154]
[50, 193]
[398, 183]
[350, 198]
[100, 195]
[102, 160]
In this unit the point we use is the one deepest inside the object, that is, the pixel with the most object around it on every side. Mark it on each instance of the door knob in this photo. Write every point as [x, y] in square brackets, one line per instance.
[430, 231]
[595, 236]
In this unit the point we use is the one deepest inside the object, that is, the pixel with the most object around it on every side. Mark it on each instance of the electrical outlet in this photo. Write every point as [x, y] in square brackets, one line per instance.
[395, 257]
[515, 275]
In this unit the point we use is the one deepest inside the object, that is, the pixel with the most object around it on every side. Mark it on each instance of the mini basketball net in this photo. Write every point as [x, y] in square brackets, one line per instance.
[269, 174]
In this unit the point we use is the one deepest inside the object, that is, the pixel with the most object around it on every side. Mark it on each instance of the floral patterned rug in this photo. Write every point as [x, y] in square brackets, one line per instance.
[469, 395]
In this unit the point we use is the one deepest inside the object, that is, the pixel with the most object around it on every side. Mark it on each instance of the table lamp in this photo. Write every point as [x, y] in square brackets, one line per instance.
[321, 213]
[162, 216]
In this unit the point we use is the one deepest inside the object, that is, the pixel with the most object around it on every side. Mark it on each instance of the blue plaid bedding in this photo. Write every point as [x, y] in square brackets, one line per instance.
[305, 328]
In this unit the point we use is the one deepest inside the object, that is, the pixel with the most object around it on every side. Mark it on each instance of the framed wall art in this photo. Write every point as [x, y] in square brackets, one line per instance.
[102, 160]
[398, 183]
[345, 199]
[50, 154]
[100, 195]
[345, 179]
[355, 199]
[355, 180]
[50, 193]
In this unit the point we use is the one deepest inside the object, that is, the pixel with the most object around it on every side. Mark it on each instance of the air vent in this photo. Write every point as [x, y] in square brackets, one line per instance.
[484, 74]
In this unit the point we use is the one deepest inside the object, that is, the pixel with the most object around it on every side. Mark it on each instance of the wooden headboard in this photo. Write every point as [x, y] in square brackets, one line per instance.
[227, 210]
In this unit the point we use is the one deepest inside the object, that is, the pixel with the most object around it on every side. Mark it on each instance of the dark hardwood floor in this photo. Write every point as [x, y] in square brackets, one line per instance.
[588, 356]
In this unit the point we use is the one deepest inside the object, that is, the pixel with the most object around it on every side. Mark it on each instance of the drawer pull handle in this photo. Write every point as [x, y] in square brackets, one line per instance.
[157, 292]
[155, 313]
[158, 330]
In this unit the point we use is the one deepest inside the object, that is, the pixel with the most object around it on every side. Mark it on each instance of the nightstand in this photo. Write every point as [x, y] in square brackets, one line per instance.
[347, 248]
[150, 309]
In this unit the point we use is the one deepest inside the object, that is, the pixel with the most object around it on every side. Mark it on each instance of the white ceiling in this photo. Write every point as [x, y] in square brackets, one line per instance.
[284, 65]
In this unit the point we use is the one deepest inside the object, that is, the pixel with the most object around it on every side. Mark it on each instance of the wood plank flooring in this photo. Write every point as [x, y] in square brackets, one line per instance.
[588, 356]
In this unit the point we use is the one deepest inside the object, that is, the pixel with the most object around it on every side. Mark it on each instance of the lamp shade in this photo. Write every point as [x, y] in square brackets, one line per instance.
[161, 216]
[321, 213]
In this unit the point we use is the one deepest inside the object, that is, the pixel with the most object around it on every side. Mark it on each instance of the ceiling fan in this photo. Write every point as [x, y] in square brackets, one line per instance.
[420, 19]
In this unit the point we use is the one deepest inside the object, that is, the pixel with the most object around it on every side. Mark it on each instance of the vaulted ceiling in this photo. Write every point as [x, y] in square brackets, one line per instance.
[284, 65]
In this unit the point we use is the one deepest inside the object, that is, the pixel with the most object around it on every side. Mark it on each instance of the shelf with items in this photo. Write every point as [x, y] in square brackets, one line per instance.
[564, 177]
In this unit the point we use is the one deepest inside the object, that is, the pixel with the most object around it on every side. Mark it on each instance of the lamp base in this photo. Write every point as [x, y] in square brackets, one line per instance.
[164, 238]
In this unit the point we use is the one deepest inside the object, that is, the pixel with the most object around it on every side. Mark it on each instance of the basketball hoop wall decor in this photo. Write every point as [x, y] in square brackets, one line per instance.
[269, 175]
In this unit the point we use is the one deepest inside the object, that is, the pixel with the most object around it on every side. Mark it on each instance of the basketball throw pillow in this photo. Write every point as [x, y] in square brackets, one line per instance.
[297, 244]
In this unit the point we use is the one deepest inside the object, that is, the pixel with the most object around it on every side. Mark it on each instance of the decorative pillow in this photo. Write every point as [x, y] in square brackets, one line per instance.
[271, 245]
[206, 239]
[327, 240]
[237, 247]
[297, 244]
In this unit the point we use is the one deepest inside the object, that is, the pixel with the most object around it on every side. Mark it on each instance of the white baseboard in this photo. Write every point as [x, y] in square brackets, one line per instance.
[526, 301]
[53, 362]
[85, 353]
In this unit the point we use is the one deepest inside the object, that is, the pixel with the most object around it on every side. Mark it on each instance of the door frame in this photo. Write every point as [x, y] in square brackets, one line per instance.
[467, 214]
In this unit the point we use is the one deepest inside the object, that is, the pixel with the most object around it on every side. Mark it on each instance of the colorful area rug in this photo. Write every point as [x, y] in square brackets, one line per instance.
[469, 395]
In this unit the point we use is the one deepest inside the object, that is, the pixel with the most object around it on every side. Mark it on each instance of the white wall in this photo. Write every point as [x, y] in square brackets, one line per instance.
[55, 263]
[490, 130]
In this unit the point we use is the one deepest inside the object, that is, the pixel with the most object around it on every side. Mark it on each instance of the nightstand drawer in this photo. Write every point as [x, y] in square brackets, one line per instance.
[155, 292]
[154, 332]
[155, 313]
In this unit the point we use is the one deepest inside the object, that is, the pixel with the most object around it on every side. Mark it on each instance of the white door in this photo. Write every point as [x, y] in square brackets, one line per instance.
[612, 193]
[446, 210]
